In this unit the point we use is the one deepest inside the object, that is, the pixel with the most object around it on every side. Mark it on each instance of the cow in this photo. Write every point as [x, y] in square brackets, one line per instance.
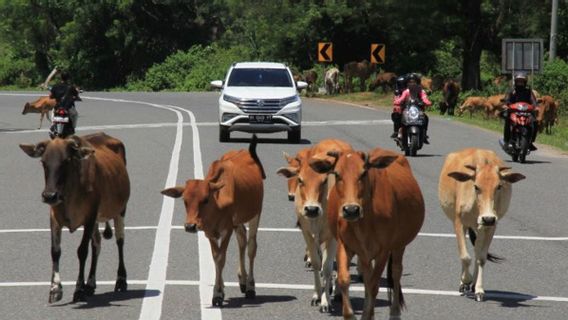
[384, 80]
[474, 192]
[494, 105]
[86, 182]
[294, 162]
[426, 84]
[361, 70]
[311, 76]
[230, 196]
[547, 114]
[451, 91]
[374, 210]
[43, 105]
[332, 81]
[473, 104]
[311, 201]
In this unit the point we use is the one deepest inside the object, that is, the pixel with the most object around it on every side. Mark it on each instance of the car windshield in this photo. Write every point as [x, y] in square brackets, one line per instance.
[259, 78]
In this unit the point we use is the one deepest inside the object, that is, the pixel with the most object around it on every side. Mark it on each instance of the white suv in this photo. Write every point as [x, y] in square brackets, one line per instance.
[260, 97]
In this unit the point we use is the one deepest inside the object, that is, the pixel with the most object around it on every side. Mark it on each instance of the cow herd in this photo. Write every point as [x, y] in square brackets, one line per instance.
[349, 204]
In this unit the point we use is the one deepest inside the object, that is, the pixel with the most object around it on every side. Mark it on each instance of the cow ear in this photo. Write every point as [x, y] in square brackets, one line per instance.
[513, 177]
[34, 150]
[381, 162]
[85, 153]
[460, 176]
[287, 157]
[322, 163]
[216, 186]
[287, 172]
[174, 192]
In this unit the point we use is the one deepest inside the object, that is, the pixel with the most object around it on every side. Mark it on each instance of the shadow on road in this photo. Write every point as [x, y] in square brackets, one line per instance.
[242, 302]
[507, 299]
[110, 299]
[268, 140]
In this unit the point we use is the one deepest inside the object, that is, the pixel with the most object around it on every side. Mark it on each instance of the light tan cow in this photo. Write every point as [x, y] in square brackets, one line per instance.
[332, 81]
[494, 105]
[294, 162]
[474, 192]
[42, 106]
[547, 114]
[473, 104]
[86, 182]
[311, 202]
[230, 196]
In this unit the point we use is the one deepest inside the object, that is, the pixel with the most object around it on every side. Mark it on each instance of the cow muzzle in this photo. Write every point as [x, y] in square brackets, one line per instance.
[312, 211]
[488, 221]
[50, 197]
[191, 227]
[291, 196]
[351, 212]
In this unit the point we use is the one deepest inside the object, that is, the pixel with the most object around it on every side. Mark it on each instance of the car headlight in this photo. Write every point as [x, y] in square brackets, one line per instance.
[231, 99]
[287, 101]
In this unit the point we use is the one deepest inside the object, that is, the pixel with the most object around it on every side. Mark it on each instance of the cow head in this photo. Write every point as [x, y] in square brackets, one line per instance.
[58, 158]
[352, 180]
[309, 191]
[489, 183]
[200, 198]
[27, 108]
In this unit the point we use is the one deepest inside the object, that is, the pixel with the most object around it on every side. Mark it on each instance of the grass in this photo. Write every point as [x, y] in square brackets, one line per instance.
[558, 138]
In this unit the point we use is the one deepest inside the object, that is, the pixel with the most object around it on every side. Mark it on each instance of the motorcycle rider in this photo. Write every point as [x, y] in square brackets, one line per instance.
[521, 92]
[65, 94]
[413, 92]
[396, 115]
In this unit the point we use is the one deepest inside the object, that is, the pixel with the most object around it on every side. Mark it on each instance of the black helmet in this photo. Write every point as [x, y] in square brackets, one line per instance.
[414, 76]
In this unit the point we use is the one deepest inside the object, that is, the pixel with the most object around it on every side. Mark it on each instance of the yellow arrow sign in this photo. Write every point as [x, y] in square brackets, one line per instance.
[325, 51]
[377, 53]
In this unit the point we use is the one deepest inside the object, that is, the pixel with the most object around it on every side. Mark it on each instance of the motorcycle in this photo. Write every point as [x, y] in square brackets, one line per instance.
[521, 117]
[61, 124]
[411, 134]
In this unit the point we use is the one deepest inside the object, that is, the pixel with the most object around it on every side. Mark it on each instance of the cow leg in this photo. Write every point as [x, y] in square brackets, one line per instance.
[251, 248]
[371, 276]
[41, 119]
[484, 237]
[219, 255]
[397, 302]
[82, 252]
[328, 253]
[95, 251]
[465, 279]
[56, 290]
[344, 278]
[312, 247]
[121, 285]
[241, 233]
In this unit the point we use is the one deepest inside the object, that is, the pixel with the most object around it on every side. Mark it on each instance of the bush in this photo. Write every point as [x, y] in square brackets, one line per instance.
[13, 71]
[554, 81]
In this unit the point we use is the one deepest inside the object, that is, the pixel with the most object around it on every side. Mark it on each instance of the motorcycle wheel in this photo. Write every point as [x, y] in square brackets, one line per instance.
[524, 146]
[413, 145]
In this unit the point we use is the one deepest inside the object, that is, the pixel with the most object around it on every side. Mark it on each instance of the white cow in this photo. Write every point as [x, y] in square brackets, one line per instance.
[332, 81]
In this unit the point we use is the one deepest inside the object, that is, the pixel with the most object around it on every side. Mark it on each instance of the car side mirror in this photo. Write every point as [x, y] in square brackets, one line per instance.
[217, 84]
[301, 85]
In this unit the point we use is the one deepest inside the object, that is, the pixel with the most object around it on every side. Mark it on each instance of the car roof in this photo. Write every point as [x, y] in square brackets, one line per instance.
[267, 65]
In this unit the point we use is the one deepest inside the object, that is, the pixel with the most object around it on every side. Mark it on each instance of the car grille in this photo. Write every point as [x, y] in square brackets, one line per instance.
[260, 106]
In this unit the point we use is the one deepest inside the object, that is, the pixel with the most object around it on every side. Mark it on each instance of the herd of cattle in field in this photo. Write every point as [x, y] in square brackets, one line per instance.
[349, 203]
[547, 114]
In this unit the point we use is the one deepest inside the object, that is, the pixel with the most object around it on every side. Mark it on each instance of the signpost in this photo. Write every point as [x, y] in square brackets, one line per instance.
[325, 52]
[377, 53]
[521, 55]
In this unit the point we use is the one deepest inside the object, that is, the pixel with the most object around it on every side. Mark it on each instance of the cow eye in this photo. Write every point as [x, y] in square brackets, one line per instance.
[499, 187]
[336, 174]
[477, 189]
[300, 181]
[205, 201]
[363, 174]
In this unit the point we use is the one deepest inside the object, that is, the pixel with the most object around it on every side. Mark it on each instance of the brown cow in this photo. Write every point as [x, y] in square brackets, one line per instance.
[361, 70]
[311, 76]
[229, 196]
[311, 202]
[473, 104]
[294, 162]
[332, 81]
[375, 210]
[494, 105]
[42, 105]
[451, 91]
[426, 84]
[86, 182]
[547, 114]
[474, 192]
[384, 80]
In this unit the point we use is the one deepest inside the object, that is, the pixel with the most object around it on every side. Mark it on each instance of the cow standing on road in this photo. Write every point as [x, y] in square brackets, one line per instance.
[474, 192]
[230, 196]
[86, 182]
[43, 106]
[374, 210]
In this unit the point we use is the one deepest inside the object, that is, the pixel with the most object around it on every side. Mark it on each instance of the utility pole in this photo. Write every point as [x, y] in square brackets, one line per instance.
[553, 29]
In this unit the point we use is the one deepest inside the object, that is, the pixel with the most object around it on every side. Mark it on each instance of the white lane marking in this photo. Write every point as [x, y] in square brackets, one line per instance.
[285, 286]
[421, 234]
[206, 264]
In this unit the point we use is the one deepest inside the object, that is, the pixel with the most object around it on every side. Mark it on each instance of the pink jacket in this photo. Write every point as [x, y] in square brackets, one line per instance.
[406, 95]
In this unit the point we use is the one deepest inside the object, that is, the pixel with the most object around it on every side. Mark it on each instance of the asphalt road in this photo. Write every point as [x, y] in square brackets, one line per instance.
[166, 265]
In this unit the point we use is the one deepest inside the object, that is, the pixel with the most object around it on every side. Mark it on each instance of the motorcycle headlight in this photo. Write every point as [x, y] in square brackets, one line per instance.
[413, 113]
[523, 107]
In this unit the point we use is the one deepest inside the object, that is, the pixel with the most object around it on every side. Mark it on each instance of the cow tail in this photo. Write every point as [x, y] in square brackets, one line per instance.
[252, 151]
[491, 257]
[107, 234]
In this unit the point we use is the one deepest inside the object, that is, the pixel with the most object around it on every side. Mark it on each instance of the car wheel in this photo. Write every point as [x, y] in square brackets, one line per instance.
[295, 135]
[224, 134]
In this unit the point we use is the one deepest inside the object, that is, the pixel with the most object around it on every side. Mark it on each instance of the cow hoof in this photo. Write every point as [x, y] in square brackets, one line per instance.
[464, 288]
[89, 290]
[55, 294]
[315, 302]
[479, 297]
[121, 285]
[243, 288]
[79, 295]
[217, 302]
[250, 294]
[325, 309]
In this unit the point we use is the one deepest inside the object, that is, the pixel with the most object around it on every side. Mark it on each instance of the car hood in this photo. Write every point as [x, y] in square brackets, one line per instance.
[260, 92]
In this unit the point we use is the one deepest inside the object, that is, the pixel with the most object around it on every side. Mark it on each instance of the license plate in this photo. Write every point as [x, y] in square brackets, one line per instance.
[61, 119]
[260, 118]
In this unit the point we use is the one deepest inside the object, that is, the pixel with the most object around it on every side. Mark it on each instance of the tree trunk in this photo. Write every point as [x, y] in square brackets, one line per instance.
[471, 78]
